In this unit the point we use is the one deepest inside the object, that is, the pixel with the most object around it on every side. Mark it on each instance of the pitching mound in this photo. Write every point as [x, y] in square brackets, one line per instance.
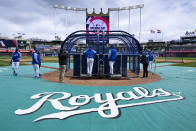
[54, 77]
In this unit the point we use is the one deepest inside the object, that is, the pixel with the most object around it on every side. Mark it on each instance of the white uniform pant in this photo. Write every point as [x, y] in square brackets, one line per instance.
[111, 64]
[36, 70]
[15, 66]
[90, 62]
[150, 66]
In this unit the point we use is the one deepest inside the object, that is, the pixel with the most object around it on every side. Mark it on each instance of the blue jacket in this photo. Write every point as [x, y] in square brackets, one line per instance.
[35, 58]
[90, 53]
[16, 56]
[151, 57]
[112, 54]
[39, 58]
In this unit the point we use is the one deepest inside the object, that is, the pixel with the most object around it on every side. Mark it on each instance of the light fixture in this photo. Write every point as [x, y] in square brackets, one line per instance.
[62, 7]
[127, 7]
[55, 6]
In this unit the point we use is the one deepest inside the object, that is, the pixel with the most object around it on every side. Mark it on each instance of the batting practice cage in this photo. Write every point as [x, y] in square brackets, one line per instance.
[128, 48]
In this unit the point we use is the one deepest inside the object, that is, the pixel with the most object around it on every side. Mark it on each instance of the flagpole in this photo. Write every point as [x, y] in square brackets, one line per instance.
[54, 22]
[129, 22]
[156, 35]
[118, 19]
[153, 35]
[140, 25]
[66, 16]
[16, 42]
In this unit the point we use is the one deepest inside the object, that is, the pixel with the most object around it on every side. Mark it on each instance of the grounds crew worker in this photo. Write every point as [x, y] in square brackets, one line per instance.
[90, 59]
[145, 62]
[62, 64]
[112, 58]
[16, 56]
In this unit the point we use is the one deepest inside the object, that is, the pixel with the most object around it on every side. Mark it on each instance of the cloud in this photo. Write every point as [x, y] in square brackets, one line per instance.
[36, 17]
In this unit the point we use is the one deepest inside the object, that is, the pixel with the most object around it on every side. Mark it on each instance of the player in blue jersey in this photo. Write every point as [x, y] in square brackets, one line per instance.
[90, 59]
[151, 59]
[16, 57]
[112, 58]
[36, 60]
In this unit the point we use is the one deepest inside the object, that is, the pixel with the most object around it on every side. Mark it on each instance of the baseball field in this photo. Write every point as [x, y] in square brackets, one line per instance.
[37, 104]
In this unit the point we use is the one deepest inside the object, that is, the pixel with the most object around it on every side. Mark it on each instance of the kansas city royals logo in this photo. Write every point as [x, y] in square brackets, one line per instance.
[107, 104]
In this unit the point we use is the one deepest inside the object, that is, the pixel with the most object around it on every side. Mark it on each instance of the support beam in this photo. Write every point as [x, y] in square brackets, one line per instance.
[129, 21]
[140, 25]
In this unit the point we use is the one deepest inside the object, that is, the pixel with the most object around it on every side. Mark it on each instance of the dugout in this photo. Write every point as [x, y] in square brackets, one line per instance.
[127, 60]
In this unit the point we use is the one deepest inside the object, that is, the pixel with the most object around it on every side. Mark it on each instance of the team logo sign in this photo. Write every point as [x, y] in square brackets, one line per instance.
[97, 24]
[107, 104]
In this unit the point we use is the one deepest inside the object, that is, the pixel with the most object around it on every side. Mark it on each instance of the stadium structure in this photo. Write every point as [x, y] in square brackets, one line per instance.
[186, 46]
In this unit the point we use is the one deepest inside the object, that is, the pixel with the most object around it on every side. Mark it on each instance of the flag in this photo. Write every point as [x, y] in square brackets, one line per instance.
[2, 44]
[152, 31]
[158, 31]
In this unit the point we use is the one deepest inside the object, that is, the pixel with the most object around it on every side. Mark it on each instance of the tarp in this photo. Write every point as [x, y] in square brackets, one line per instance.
[20, 93]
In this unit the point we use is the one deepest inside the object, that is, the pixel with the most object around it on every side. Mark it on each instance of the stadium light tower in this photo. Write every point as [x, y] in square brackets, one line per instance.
[129, 8]
[110, 9]
[68, 8]
[65, 8]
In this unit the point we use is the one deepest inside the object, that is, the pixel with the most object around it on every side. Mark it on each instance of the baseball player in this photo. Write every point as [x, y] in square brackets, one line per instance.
[112, 58]
[35, 62]
[40, 60]
[16, 56]
[151, 59]
[90, 59]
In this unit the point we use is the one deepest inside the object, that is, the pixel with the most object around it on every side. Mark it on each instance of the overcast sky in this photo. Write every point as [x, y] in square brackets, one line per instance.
[36, 18]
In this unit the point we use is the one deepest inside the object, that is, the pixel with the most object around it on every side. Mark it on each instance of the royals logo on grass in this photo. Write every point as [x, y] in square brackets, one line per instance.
[76, 104]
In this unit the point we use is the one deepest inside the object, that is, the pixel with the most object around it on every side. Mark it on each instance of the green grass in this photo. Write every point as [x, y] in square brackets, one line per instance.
[28, 57]
[10, 57]
[190, 64]
[4, 63]
[162, 62]
[177, 58]
[50, 61]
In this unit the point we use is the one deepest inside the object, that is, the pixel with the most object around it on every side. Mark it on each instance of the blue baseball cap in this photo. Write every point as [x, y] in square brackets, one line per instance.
[36, 49]
[17, 48]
